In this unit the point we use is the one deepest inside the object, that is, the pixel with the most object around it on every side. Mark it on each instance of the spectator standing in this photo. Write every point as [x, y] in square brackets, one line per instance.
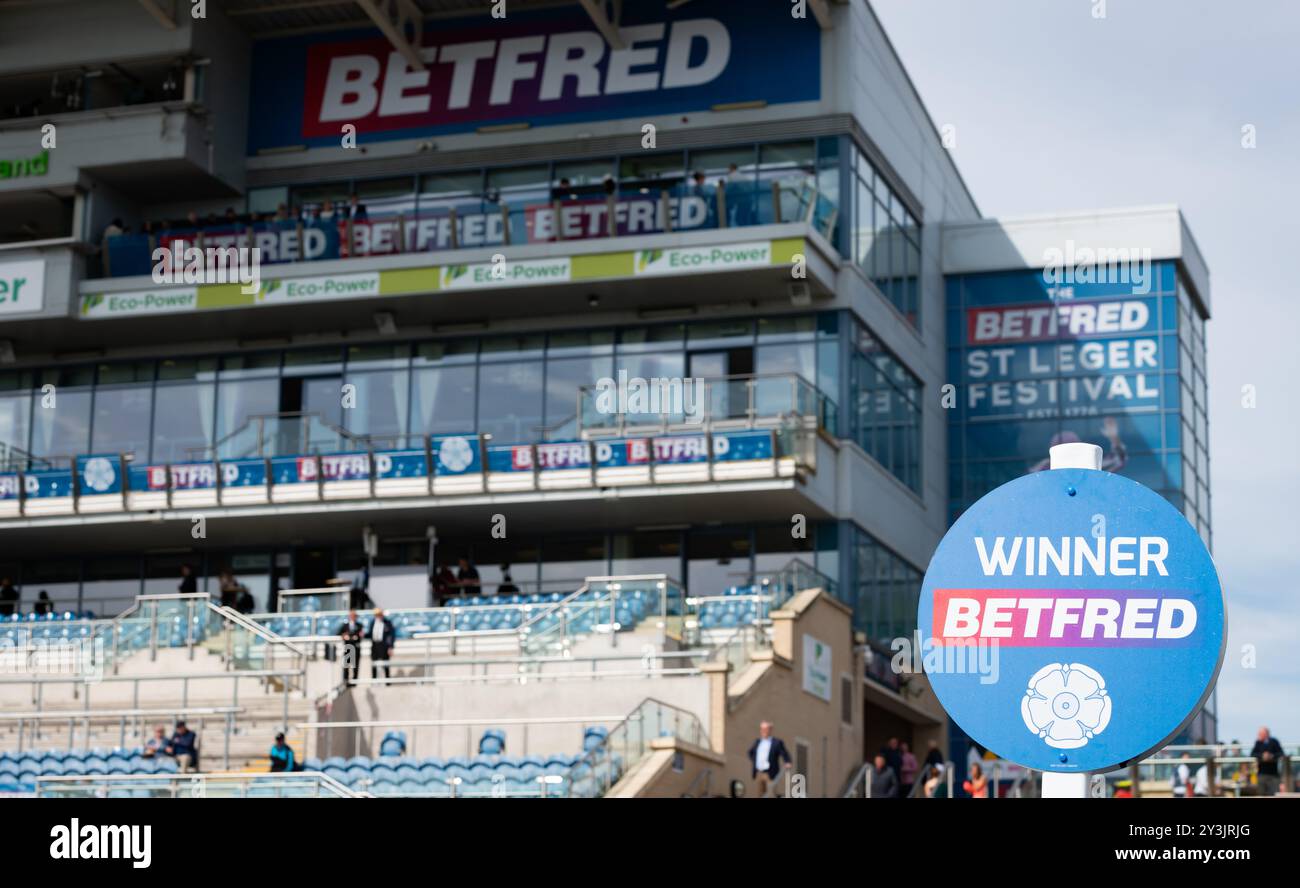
[977, 787]
[1182, 780]
[1266, 752]
[765, 758]
[1201, 782]
[382, 641]
[934, 782]
[189, 582]
[351, 632]
[184, 746]
[8, 598]
[907, 774]
[356, 210]
[43, 604]
[884, 782]
[893, 756]
[507, 586]
[467, 578]
[282, 757]
[933, 757]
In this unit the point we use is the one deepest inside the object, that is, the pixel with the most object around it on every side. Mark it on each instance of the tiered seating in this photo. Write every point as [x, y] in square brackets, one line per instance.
[20, 769]
[475, 614]
[490, 774]
[731, 614]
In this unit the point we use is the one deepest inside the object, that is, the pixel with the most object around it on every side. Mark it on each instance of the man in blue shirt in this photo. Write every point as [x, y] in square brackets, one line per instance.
[184, 745]
[282, 758]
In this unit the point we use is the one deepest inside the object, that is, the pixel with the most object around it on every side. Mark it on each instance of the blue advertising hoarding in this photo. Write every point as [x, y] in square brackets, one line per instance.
[541, 68]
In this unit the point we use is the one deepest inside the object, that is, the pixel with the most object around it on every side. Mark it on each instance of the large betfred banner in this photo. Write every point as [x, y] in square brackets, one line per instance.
[540, 68]
[1072, 620]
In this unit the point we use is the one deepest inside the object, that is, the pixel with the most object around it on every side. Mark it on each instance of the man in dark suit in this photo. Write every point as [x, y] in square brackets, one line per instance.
[765, 757]
[351, 632]
[383, 637]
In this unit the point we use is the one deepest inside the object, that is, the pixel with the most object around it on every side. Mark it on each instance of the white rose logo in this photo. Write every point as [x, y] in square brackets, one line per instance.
[455, 455]
[1066, 705]
[98, 474]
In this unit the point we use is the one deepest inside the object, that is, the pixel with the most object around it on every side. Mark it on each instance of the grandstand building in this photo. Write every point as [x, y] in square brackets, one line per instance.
[658, 312]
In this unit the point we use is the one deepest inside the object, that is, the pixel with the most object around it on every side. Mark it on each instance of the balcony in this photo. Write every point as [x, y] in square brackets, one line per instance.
[759, 428]
[324, 232]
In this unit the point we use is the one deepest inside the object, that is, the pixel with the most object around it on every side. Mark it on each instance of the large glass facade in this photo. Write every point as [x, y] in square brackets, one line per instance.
[886, 589]
[1116, 363]
[885, 238]
[885, 398]
[518, 388]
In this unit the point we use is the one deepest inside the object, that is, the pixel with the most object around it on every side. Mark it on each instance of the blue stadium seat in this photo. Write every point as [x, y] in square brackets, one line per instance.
[493, 742]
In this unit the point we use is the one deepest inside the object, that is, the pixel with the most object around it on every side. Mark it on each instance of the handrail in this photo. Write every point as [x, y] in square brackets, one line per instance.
[602, 750]
[256, 628]
[858, 779]
[462, 722]
[163, 676]
[243, 779]
[83, 714]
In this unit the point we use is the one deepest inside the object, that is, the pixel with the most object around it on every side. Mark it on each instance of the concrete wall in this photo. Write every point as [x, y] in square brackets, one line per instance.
[773, 691]
[604, 701]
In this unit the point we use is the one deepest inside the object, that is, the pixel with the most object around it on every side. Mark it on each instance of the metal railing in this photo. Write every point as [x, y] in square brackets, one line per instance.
[297, 784]
[1230, 769]
[504, 219]
[602, 767]
[81, 686]
[439, 737]
[703, 404]
[130, 723]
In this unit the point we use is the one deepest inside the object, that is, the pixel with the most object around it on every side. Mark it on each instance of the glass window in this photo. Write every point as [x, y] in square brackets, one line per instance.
[380, 405]
[510, 402]
[442, 400]
[718, 560]
[258, 364]
[387, 197]
[718, 163]
[564, 378]
[15, 412]
[63, 427]
[647, 552]
[454, 351]
[122, 419]
[646, 168]
[309, 362]
[567, 561]
[237, 400]
[580, 342]
[442, 192]
[583, 173]
[655, 338]
[203, 368]
[509, 348]
[183, 417]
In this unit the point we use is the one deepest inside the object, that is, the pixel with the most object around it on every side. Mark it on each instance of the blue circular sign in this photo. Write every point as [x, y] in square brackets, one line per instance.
[1072, 620]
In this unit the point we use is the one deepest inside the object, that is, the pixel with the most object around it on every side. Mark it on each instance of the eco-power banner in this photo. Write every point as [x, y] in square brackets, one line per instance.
[139, 302]
[429, 279]
[521, 271]
[318, 289]
[537, 68]
[683, 260]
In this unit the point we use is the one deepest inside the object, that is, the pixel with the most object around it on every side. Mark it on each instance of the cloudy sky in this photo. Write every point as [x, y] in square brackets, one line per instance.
[1058, 110]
